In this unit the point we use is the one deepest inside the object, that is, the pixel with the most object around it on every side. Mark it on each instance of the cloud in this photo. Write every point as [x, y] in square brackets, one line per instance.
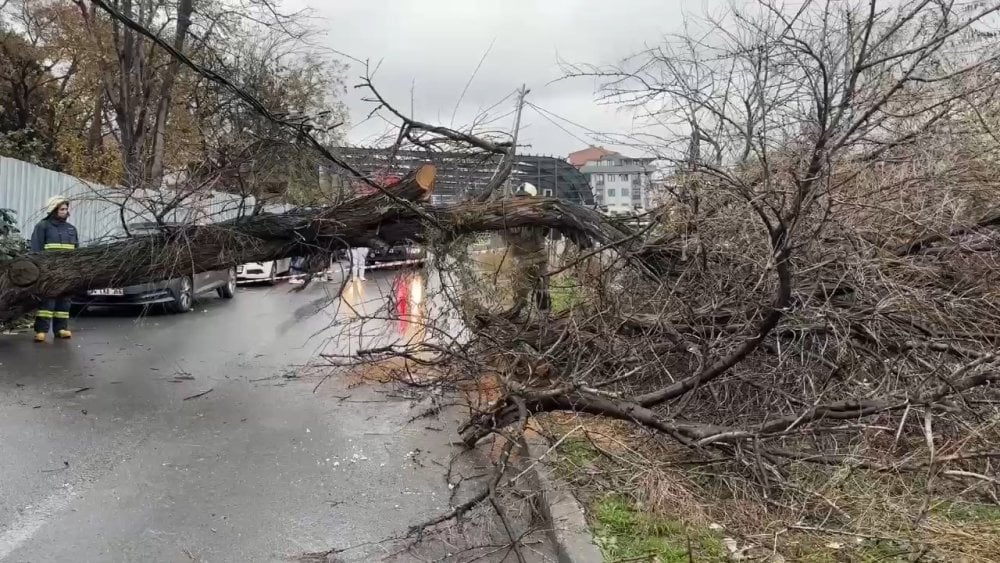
[433, 47]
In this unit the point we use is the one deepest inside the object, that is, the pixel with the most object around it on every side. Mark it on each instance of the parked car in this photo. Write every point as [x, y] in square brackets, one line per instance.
[177, 293]
[401, 252]
[263, 271]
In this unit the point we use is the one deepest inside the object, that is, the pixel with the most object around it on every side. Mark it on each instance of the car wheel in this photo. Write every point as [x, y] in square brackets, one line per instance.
[228, 291]
[183, 296]
[274, 273]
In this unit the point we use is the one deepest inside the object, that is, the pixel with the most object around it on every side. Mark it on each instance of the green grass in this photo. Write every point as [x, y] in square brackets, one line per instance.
[882, 509]
[967, 512]
[573, 454]
[869, 551]
[565, 292]
[622, 531]
[579, 452]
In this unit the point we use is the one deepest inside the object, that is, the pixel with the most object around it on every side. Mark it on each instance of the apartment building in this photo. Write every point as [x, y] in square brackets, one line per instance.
[620, 183]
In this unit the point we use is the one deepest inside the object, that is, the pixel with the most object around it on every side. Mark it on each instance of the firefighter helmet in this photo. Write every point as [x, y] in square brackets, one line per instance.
[528, 189]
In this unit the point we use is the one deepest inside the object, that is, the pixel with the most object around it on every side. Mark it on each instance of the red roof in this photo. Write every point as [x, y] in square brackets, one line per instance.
[579, 158]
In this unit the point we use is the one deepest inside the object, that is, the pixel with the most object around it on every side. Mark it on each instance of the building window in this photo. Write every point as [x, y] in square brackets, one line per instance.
[547, 192]
[623, 177]
[624, 192]
[599, 178]
[611, 193]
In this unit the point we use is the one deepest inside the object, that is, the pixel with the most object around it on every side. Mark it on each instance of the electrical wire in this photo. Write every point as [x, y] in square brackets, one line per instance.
[554, 122]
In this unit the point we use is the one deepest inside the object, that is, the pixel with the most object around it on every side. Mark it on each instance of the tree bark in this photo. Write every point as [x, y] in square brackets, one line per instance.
[401, 214]
[156, 158]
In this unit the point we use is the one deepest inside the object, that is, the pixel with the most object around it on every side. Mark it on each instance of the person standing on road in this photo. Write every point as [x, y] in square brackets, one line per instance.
[297, 270]
[359, 255]
[54, 233]
[531, 262]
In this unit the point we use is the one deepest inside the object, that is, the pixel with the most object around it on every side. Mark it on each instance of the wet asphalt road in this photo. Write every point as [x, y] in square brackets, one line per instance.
[102, 457]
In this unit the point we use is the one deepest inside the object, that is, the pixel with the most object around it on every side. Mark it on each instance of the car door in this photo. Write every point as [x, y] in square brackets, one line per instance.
[206, 281]
[284, 265]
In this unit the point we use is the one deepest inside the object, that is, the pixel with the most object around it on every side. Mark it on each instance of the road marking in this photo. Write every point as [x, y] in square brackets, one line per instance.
[32, 520]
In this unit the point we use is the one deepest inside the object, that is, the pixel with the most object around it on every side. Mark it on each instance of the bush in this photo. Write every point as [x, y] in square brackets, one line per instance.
[11, 242]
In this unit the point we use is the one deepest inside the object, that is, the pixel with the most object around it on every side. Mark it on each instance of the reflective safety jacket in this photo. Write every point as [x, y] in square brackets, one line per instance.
[53, 234]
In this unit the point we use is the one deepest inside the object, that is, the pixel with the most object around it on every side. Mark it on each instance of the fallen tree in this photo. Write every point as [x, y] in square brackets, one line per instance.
[821, 290]
[819, 298]
[399, 213]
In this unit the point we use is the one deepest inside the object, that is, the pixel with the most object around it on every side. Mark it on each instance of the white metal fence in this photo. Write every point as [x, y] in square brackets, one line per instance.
[98, 211]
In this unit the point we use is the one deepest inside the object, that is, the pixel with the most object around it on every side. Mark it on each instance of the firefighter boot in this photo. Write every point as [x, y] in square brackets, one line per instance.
[39, 337]
[64, 334]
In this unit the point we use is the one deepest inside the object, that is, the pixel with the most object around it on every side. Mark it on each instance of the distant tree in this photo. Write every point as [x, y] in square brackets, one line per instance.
[82, 93]
[250, 154]
[27, 98]
[12, 244]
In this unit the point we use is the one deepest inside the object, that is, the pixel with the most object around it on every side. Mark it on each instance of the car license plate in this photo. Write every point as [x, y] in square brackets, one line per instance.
[108, 291]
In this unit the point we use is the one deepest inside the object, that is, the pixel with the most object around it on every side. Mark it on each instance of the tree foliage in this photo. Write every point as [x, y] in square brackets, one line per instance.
[84, 94]
[12, 244]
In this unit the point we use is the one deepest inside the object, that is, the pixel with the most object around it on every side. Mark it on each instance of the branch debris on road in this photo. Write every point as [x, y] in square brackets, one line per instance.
[202, 394]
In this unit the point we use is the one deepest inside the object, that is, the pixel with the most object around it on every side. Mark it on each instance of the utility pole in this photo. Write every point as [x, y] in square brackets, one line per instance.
[521, 94]
[501, 178]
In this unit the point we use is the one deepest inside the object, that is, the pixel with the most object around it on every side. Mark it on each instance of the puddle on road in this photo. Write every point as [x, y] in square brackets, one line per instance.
[405, 308]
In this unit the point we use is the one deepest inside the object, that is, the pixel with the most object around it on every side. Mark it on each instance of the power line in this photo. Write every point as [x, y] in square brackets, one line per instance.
[622, 139]
[567, 120]
[542, 113]
[553, 122]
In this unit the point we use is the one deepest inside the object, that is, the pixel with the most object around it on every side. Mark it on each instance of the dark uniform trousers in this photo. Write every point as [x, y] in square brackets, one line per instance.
[52, 235]
[54, 312]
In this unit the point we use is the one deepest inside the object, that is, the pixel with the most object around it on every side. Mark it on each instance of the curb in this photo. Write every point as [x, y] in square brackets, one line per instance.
[567, 524]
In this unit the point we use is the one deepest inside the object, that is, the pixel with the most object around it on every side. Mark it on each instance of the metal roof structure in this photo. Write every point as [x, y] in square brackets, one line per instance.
[461, 175]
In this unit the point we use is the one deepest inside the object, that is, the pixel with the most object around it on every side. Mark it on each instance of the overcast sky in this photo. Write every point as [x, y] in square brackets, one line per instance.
[435, 45]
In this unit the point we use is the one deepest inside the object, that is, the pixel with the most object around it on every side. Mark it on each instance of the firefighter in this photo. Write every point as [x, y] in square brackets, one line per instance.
[531, 262]
[54, 234]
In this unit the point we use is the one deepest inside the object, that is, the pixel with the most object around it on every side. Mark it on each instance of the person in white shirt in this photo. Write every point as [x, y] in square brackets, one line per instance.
[359, 254]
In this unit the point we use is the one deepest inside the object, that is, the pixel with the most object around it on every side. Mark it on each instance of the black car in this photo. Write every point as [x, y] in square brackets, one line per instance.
[177, 293]
[403, 252]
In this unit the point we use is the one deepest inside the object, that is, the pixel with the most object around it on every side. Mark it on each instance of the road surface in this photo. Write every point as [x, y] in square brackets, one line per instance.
[180, 438]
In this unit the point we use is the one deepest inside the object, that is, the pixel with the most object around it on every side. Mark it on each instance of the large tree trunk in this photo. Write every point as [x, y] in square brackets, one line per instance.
[402, 214]
[154, 174]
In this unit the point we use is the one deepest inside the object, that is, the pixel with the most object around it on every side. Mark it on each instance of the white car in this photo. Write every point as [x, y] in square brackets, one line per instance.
[263, 271]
